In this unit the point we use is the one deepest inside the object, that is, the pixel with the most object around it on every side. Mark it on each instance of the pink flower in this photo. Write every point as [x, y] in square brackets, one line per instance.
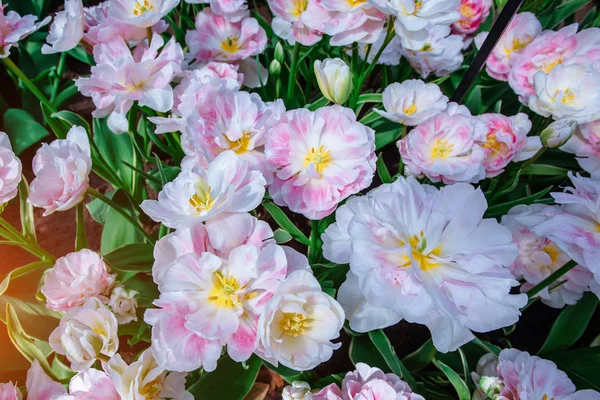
[13, 28]
[217, 39]
[585, 144]
[292, 19]
[40, 386]
[61, 171]
[368, 383]
[319, 159]
[120, 78]
[101, 27]
[523, 28]
[142, 13]
[92, 384]
[75, 278]
[539, 256]
[193, 86]
[67, 29]
[530, 377]
[10, 170]
[224, 119]
[472, 14]
[232, 10]
[8, 391]
[445, 148]
[548, 50]
[505, 141]
[214, 282]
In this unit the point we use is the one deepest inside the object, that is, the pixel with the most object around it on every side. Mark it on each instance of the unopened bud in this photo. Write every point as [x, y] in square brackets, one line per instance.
[275, 68]
[558, 133]
[491, 386]
[298, 390]
[279, 55]
[334, 79]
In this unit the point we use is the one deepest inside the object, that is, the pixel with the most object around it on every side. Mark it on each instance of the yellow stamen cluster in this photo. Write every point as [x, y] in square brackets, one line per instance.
[320, 156]
[441, 149]
[142, 7]
[294, 324]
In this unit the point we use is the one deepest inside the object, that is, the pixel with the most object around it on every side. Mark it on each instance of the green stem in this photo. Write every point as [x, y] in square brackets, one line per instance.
[81, 241]
[533, 158]
[363, 76]
[97, 195]
[59, 72]
[550, 280]
[293, 69]
[32, 88]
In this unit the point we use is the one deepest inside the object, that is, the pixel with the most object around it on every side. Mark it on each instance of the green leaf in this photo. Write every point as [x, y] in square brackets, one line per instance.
[82, 55]
[369, 98]
[27, 216]
[71, 119]
[59, 127]
[363, 350]
[21, 271]
[99, 209]
[114, 150]
[501, 209]
[285, 223]
[81, 241]
[385, 348]
[546, 170]
[22, 129]
[382, 170]
[372, 116]
[118, 231]
[322, 102]
[282, 236]
[384, 138]
[459, 385]
[136, 257]
[570, 325]
[490, 348]
[421, 358]
[30, 347]
[286, 373]
[230, 380]
[581, 366]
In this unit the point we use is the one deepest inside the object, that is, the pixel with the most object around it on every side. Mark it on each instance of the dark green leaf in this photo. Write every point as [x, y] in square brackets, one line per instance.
[230, 380]
[421, 357]
[285, 223]
[382, 170]
[118, 231]
[570, 325]
[581, 366]
[385, 348]
[136, 257]
[322, 102]
[459, 385]
[543, 169]
[384, 138]
[22, 129]
[363, 350]
[501, 209]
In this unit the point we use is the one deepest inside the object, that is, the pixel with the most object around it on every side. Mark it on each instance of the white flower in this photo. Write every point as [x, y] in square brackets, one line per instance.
[10, 170]
[123, 304]
[298, 390]
[142, 13]
[227, 185]
[558, 133]
[415, 15]
[571, 91]
[86, 333]
[427, 256]
[412, 102]
[67, 29]
[298, 323]
[334, 79]
[144, 379]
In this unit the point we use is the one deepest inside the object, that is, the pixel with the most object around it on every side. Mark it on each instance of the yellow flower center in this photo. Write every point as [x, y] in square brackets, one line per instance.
[230, 45]
[298, 7]
[410, 110]
[100, 331]
[201, 200]
[551, 66]
[418, 244]
[552, 252]
[493, 144]
[467, 11]
[241, 145]
[441, 149]
[224, 291]
[294, 324]
[152, 389]
[320, 156]
[426, 47]
[568, 96]
[142, 7]
[355, 3]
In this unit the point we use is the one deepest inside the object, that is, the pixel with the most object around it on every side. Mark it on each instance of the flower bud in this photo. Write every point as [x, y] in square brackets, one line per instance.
[298, 390]
[558, 133]
[491, 386]
[275, 68]
[123, 304]
[279, 54]
[334, 79]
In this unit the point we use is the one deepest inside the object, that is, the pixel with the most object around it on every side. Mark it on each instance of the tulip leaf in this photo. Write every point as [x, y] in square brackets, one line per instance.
[363, 350]
[581, 365]
[285, 222]
[570, 325]
[22, 129]
[134, 257]
[27, 216]
[420, 358]
[81, 241]
[382, 170]
[21, 271]
[230, 380]
[543, 169]
[322, 102]
[281, 236]
[118, 231]
[369, 98]
[459, 384]
[384, 138]
[386, 349]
